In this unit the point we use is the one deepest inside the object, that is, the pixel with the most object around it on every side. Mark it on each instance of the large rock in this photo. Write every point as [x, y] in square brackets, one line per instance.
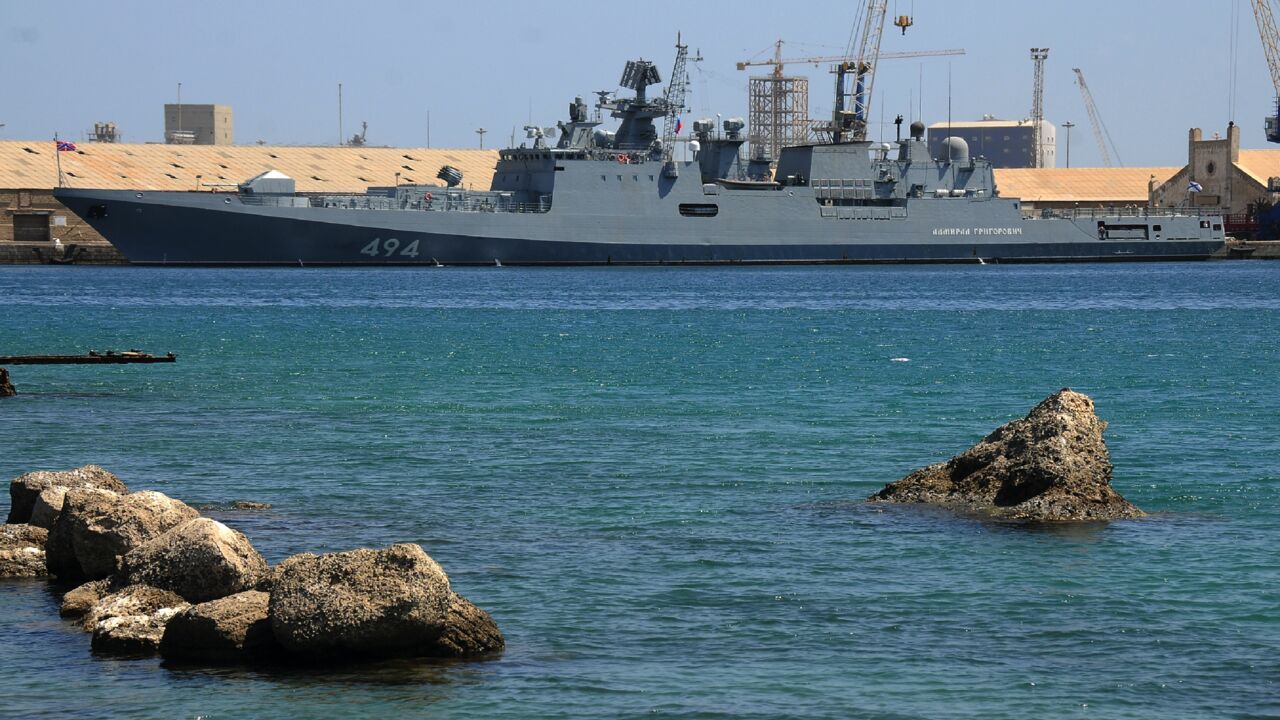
[132, 621]
[228, 630]
[22, 551]
[200, 559]
[130, 601]
[468, 632]
[361, 603]
[47, 507]
[96, 527]
[6, 387]
[77, 602]
[24, 489]
[1051, 465]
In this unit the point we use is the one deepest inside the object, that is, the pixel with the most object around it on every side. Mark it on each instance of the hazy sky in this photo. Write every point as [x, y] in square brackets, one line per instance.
[1156, 68]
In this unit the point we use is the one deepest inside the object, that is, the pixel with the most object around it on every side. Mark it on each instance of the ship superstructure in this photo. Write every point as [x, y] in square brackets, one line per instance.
[631, 195]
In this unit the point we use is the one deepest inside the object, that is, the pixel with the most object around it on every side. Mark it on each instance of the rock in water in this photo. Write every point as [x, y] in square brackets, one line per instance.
[6, 387]
[361, 603]
[468, 632]
[228, 630]
[132, 621]
[78, 601]
[132, 600]
[22, 551]
[24, 489]
[200, 559]
[1051, 465]
[95, 527]
[48, 505]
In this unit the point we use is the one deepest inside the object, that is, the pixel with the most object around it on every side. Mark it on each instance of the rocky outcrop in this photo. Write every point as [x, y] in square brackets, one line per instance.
[96, 527]
[77, 602]
[468, 632]
[361, 603]
[24, 489]
[6, 387]
[22, 551]
[47, 506]
[200, 559]
[1051, 465]
[232, 629]
[162, 578]
[131, 621]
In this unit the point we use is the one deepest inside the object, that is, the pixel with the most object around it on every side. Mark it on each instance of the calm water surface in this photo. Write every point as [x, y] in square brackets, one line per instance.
[652, 478]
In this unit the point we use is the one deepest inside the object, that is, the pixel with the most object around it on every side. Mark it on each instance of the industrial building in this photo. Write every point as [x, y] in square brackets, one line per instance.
[1075, 188]
[198, 124]
[1229, 179]
[1004, 143]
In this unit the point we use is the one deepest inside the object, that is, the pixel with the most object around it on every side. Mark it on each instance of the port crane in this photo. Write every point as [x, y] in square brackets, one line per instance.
[863, 67]
[1271, 47]
[1038, 56]
[673, 100]
[1100, 133]
[779, 105]
[778, 62]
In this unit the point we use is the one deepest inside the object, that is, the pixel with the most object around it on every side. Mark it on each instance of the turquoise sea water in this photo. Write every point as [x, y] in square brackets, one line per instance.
[652, 478]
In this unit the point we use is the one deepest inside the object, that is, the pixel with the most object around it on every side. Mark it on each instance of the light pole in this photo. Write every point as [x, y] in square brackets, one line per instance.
[1068, 125]
[481, 132]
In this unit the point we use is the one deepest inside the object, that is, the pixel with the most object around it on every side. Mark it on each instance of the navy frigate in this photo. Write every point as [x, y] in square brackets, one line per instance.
[621, 196]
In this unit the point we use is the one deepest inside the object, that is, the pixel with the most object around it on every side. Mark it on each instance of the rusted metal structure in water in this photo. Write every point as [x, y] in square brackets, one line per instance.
[93, 357]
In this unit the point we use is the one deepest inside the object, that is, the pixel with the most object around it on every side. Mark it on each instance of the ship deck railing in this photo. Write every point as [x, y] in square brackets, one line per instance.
[1134, 211]
[439, 202]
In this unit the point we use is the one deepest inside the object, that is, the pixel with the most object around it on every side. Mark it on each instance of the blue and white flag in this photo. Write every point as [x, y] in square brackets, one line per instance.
[1194, 187]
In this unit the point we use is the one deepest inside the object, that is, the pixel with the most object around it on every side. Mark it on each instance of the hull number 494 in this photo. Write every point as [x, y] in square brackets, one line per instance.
[391, 246]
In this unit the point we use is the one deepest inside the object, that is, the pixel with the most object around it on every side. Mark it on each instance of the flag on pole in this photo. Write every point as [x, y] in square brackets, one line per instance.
[1194, 187]
[679, 124]
[64, 146]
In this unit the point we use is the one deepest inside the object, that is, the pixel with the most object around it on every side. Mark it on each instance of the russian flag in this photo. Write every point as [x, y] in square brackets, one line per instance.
[64, 146]
[679, 124]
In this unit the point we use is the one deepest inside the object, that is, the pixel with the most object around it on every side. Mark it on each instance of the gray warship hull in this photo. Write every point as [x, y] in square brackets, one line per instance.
[621, 197]
[642, 223]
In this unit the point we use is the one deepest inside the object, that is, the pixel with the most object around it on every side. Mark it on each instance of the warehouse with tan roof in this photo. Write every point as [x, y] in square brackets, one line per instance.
[33, 223]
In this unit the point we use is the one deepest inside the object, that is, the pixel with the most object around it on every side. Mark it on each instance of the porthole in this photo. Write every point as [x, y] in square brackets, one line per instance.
[226, 200]
[1211, 167]
[139, 196]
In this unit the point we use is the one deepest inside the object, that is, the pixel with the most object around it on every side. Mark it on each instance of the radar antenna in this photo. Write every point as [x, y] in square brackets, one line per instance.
[639, 75]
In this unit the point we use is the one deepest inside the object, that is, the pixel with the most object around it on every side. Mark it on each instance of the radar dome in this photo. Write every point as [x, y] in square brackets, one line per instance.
[917, 130]
[956, 149]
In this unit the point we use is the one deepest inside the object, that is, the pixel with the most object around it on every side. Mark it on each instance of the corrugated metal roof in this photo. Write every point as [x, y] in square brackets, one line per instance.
[1123, 185]
[1260, 165]
[112, 166]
